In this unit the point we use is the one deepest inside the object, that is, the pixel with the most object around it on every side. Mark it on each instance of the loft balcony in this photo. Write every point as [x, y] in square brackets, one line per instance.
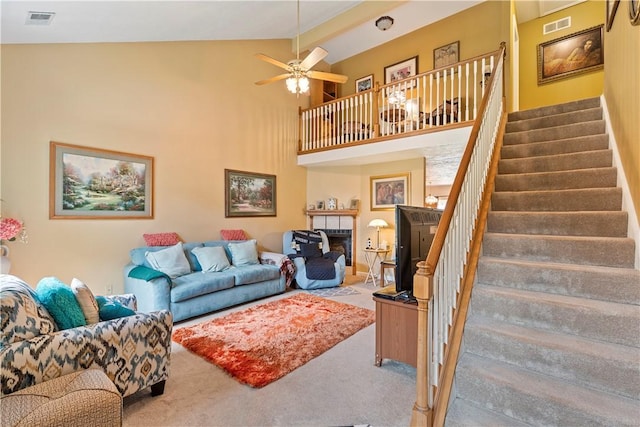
[426, 115]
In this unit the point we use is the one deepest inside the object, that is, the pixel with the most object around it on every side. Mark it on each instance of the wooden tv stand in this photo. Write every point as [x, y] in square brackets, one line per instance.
[396, 331]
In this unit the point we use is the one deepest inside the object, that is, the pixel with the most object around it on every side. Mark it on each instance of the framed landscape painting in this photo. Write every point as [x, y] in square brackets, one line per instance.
[92, 183]
[249, 194]
[387, 191]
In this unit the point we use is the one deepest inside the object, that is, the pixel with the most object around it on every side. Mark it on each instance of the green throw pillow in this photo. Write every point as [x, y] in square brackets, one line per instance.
[60, 302]
[110, 309]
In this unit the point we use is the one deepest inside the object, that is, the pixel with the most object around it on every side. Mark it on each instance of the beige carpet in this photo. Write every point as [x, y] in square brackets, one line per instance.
[340, 387]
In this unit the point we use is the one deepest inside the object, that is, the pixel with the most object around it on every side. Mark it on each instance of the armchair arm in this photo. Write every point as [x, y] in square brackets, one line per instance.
[133, 351]
[151, 295]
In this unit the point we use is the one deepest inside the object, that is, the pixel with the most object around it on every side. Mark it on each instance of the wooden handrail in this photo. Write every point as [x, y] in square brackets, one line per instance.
[431, 402]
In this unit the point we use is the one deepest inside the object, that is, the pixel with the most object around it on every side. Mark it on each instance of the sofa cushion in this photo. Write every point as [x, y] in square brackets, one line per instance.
[61, 302]
[161, 239]
[255, 273]
[137, 255]
[171, 261]
[244, 253]
[23, 317]
[199, 283]
[212, 258]
[233, 234]
[87, 301]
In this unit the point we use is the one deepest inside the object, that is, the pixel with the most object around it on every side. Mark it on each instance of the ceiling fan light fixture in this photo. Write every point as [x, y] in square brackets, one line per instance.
[384, 23]
[297, 84]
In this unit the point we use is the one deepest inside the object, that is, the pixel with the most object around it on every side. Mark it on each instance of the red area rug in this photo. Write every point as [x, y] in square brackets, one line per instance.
[264, 343]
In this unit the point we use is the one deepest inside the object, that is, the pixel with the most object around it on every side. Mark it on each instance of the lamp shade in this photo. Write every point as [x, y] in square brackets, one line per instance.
[378, 223]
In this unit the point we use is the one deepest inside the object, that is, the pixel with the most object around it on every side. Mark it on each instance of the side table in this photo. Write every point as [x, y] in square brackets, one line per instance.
[374, 257]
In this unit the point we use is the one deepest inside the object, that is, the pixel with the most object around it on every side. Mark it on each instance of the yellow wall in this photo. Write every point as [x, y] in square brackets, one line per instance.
[583, 15]
[480, 29]
[622, 93]
[192, 106]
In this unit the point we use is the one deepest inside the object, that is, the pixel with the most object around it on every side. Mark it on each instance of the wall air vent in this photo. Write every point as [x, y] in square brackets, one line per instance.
[556, 25]
[40, 18]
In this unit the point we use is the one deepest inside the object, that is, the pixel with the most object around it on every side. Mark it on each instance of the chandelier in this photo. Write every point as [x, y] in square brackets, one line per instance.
[298, 82]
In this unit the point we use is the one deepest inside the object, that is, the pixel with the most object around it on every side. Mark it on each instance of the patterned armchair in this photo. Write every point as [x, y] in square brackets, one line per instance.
[133, 351]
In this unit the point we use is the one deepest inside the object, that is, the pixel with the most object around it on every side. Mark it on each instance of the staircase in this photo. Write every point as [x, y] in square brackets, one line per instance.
[553, 333]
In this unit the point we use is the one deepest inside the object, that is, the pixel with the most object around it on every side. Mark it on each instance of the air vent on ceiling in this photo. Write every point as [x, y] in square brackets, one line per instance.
[556, 25]
[39, 18]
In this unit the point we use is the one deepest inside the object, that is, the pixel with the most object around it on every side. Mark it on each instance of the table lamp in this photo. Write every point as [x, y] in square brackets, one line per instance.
[377, 223]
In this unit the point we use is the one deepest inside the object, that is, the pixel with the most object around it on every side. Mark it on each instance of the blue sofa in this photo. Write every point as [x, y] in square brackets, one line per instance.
[196, 292]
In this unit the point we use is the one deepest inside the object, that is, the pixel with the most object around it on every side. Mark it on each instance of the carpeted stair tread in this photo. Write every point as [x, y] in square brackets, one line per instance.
[561, 146]
[590, 250]
[555, 132]
[557, 180]
[538, 399]
[557, 162]
[620, 285]
[609, 367]
[550, 110]
[577, 223]
[578, 116]
[593, 319]
[462, 413]
[580, 199]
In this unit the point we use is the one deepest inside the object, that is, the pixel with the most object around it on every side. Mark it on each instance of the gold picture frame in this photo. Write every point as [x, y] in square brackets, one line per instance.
[446, 55]
[93, 183]
[387, 191]
[249, 194]
[570, 55]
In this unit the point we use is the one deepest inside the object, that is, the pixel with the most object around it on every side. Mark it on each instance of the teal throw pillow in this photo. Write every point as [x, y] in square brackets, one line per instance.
[244, 253]
[110, 309]
[60, 302]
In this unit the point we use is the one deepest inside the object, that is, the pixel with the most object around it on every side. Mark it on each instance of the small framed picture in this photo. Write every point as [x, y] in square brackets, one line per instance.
[354, 204]
[387, 191]
[401, 70]
[320, 205]
[364, 83]
[446, 55]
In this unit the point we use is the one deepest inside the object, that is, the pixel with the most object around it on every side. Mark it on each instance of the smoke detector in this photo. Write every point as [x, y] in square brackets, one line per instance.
[39, 18]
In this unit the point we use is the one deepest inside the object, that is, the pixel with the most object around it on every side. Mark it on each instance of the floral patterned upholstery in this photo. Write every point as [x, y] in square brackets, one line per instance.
[133, 351]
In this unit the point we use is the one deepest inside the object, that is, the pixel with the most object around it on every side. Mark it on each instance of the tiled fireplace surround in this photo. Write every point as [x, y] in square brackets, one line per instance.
[339, 226]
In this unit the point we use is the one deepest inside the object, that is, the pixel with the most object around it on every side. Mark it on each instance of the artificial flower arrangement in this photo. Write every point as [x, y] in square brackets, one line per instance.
[11, 229]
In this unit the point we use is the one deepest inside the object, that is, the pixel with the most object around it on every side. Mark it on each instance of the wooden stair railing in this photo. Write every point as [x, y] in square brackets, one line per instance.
[442, 284]
[445, 97]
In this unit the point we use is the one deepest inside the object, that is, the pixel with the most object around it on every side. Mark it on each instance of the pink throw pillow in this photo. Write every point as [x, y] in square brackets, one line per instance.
[161, 239]
[233, 235]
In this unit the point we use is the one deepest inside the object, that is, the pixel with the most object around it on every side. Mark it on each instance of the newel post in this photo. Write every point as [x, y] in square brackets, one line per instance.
[423, 291]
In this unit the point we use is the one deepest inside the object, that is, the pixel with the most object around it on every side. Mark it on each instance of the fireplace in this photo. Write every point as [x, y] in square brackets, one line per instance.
[340, 241]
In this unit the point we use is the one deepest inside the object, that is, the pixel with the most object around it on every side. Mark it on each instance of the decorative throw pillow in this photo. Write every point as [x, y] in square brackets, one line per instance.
[233, 235]
[310, 250]
[212, 258]
[161, 239]
[244, 253]
[60, 302]
[170, 261]
[110, 309]
[87, 301]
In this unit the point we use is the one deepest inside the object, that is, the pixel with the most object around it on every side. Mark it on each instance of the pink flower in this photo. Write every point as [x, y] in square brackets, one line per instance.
[9, 228]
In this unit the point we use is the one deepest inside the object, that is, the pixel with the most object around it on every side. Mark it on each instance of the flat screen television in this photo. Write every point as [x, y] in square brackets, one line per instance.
[415, 229]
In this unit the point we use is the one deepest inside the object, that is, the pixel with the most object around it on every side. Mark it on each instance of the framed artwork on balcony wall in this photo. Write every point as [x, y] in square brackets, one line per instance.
[93, 183]
[364, 83]
[572, 54]
[401, 70]
[387, 191]
[446, 55]
[612, 8]
[249, 194]
[634, 12]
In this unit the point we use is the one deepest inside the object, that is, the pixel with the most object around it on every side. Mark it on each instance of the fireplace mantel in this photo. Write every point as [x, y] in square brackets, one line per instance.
[351, 214]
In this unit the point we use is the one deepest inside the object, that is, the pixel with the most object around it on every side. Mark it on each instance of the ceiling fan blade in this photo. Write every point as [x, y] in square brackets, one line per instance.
[330, 77]
[316, 55]
[270, 60]
[273, 79]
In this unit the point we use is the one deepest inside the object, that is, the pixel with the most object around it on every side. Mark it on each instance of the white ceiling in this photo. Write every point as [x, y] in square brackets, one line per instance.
[349, 24]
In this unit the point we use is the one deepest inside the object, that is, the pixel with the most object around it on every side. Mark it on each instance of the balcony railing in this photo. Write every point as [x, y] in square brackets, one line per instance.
[446, 96]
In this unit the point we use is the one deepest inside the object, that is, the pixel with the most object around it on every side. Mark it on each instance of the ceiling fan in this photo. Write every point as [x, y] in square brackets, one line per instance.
[299, 72]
